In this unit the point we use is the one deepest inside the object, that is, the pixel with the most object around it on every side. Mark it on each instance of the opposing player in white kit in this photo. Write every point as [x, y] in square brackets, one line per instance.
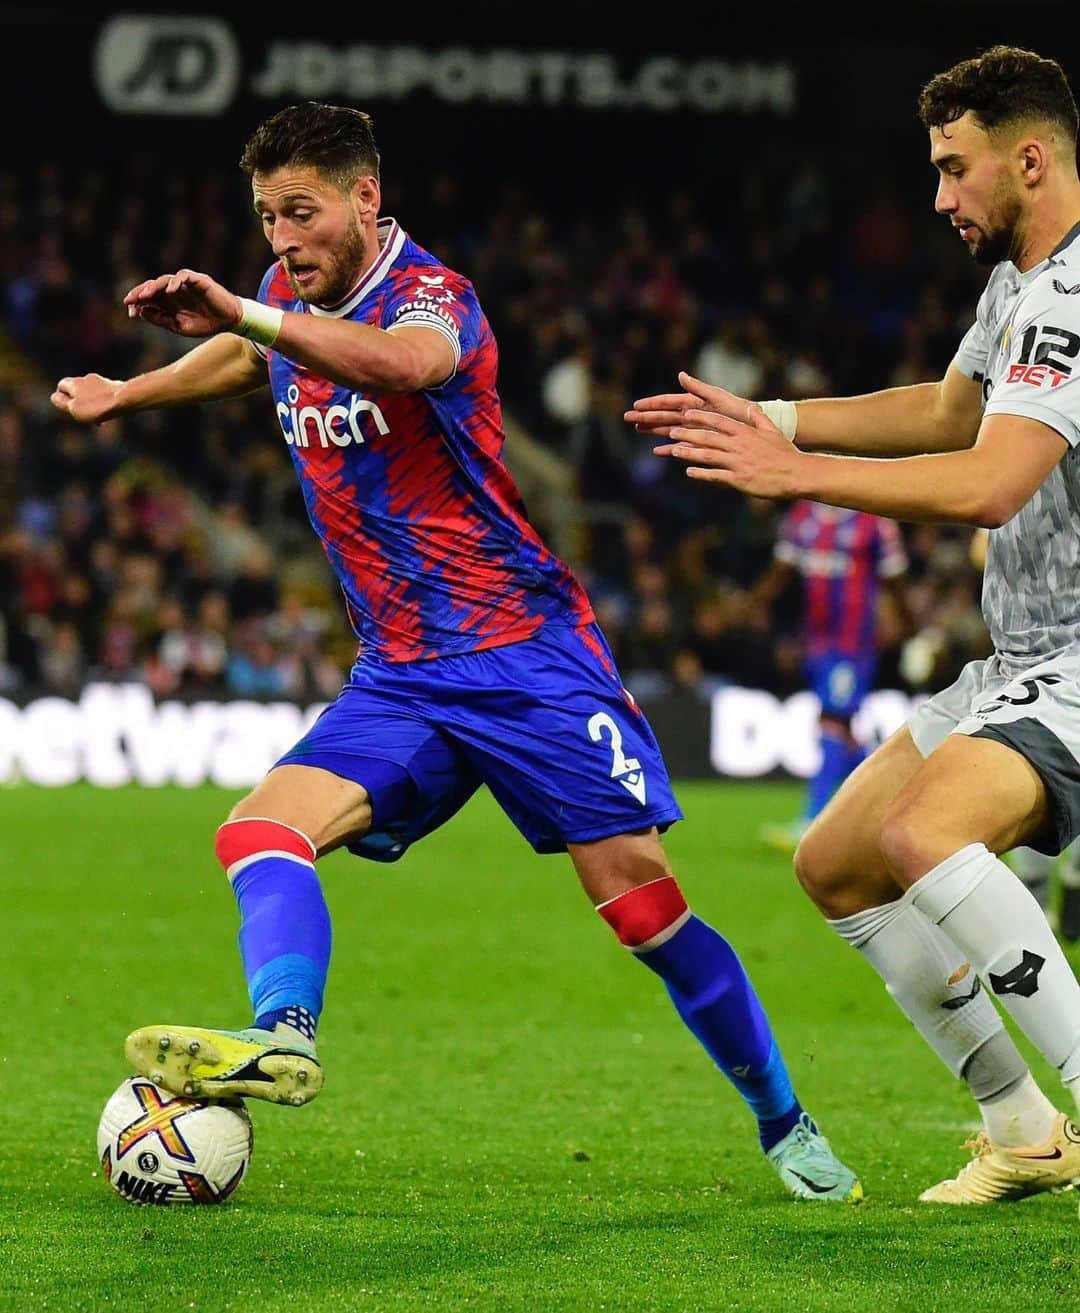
[904, 861]
[1037, 869]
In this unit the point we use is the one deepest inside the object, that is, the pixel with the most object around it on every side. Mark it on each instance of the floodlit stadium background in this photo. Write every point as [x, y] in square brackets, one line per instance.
[514, 1120]
[756, 207]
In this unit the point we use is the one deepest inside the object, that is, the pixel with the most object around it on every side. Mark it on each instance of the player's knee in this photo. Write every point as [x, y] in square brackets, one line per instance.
[636, 872]
[613, 866]
[910, 844]
[243, 839]
[814, 862]
[647, 868]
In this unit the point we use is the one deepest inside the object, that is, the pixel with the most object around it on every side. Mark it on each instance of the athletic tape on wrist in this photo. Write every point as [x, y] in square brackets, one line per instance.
[784, 414]
[260, 323]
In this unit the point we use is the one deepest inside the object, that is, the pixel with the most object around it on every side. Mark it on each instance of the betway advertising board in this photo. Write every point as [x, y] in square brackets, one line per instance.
[116, 734]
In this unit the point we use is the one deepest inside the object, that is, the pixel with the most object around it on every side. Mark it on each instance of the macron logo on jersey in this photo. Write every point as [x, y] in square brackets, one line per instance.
[339, 425]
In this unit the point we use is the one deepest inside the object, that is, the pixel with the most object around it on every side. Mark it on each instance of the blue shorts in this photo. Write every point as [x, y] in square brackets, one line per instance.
[544, 723]
[841, 681]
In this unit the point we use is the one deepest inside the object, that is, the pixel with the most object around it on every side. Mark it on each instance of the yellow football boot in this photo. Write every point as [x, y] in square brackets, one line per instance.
[223, 1064]
[997, 1175]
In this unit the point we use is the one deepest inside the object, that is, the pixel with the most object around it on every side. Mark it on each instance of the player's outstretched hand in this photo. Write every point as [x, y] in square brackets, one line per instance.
[657, 415]
[187, 303]
[90, 399]
[749, 453]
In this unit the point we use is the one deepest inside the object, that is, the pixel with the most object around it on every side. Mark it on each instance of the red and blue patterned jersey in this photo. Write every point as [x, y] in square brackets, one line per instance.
[408, 492]
[842, 555]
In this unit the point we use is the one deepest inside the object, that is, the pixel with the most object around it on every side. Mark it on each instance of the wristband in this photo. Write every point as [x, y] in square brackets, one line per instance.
[259, 323]
[784, 414]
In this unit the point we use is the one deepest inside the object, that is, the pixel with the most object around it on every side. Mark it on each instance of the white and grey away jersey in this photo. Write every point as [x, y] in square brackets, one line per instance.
[1024, 348]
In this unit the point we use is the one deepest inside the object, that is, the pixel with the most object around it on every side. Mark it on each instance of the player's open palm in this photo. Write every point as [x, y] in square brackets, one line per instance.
[657, 415]
[90, 399]
[186, 302]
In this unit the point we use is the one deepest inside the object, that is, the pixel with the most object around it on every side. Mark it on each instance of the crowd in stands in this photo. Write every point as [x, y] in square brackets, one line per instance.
[173, 548]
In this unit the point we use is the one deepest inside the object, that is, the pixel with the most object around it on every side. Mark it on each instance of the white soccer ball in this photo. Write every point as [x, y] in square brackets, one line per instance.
[157, 1148]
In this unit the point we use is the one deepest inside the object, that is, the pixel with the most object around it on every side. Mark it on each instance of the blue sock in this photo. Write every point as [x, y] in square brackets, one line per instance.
[834, 769]
[284, 940]
[296, 1017]
[713, 995]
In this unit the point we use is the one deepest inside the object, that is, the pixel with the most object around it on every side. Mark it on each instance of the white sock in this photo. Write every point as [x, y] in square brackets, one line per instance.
[932, 984]
[942, 997]
[1023, 1115]
[1001, 930]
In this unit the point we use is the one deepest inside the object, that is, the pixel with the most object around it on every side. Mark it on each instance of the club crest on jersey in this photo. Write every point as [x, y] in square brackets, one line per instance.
[310, 426]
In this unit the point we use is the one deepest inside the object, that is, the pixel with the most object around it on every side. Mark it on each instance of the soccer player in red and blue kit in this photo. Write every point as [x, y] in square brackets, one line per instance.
[479, 663]
[844, 558]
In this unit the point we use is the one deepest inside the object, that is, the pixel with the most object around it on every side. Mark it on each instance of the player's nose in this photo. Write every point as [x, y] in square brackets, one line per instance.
[945, 201]
[284, 240]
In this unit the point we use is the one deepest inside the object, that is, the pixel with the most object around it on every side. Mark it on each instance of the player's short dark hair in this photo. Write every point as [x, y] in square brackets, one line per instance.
[1002, 87]
[337, 141]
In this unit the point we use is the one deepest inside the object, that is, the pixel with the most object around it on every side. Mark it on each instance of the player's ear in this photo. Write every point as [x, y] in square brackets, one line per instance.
[1032, 154]
[367, 196]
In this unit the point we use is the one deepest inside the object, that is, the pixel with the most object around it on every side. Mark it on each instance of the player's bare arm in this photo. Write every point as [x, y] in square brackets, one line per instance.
[356, 356]
[906, 421]
[925, 417]
[226, 366]
[984, 485]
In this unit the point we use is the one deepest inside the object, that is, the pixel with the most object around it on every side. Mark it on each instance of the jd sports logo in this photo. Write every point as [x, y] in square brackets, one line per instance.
[1023, 979]
[1066, 291]
[160, 65]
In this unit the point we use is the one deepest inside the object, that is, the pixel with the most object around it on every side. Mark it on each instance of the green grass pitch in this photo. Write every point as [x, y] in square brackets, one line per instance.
[513, 1119]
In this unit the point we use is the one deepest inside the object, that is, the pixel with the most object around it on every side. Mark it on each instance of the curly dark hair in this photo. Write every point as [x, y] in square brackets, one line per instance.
[1003, 86]
[337, 141]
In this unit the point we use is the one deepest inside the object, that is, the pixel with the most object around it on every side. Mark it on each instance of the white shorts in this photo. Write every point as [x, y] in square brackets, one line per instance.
[1036, 713]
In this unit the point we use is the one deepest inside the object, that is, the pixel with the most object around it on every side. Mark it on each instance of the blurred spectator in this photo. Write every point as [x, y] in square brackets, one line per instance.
[63, 663]
[725, 361]
[567, 385]
[253, 669]
[172, 546]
